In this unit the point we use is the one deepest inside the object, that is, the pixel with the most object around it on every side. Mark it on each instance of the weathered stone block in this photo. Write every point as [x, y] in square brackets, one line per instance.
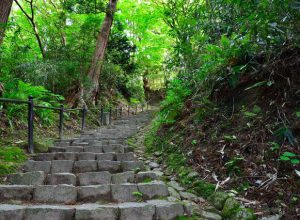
[153, 190]
[126, 157]
[124, 192]
[66, 156]
[94, 178]
[85, 166]
[96, 212]
[167, 210]
[145, 176]
[126, 177]
[136, 211]
[86, 156]
[30, 178]
[31, 166]
[49, 212]
[108, 165]
[132, 165]
[62, 166]
[94, 193]
[44, 157]
[11, 212]
[115, 148]
[15, 192]
[106, 156]
[61, 178]
[55, 194]
[93, 149]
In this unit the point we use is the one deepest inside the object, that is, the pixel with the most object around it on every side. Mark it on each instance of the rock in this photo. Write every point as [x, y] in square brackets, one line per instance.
[44, 157]
[62, 166]
[175, 185]
[125, 177]
[167, 210]
[174, 193]
[146, 176]
[210, 216]
[172, 199]
[93, 149]
[15, 192]
[61, 178]
[169, 171]
[30, 178]
[111, 166]
[191, 208]
[31, 166]
[83, 166]
[94, 178]
[94, 193]
[124, 192]
[218, 199]
[107, 156]
[10, 212]
[55, 194]
[157, 169]
[244, 214]
[189, 196]
[272, 217]
[49, 212]
[126, 157]
[153, 165]
[153, 190]
[96, 212]
[66, 156]
[136, 211]
[231, 205]
[86, 156]
[132, 165]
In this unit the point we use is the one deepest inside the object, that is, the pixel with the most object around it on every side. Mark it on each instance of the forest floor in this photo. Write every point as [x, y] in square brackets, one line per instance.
[246, 142]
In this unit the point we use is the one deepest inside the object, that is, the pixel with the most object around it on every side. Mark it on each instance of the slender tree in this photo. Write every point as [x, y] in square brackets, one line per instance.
[99, 54]
[5, 8]
[31, 18]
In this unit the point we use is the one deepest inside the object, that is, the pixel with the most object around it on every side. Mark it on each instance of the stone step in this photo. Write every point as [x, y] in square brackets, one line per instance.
[84, 156]
[82, 166]
[152, 210]
[80, 179]
[112, 148]
[69, 194]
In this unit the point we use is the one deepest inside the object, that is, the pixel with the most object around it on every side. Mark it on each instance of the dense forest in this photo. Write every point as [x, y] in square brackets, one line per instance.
[224, 75]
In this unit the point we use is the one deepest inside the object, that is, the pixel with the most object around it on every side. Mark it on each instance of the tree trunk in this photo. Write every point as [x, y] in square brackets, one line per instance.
[5, 8]
[98, 58]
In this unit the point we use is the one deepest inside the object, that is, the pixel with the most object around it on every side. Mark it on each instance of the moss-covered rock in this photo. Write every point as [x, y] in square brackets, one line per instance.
[231, 206]
[243, 214]
[218, 199]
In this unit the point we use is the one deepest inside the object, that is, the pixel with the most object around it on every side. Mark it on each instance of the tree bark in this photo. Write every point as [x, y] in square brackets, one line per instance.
[5, 8]
[98, 58]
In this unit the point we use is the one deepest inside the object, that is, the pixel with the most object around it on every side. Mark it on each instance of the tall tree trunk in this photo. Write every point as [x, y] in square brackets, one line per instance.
[98, 58]
[5, 8]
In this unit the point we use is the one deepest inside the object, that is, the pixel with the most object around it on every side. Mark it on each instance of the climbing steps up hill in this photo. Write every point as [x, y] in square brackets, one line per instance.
[95, 176]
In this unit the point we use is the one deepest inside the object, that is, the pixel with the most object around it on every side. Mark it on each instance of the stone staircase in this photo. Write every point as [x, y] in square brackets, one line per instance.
[95, 176]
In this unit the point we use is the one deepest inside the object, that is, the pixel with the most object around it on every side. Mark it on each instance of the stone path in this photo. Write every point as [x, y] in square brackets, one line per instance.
[95, 176]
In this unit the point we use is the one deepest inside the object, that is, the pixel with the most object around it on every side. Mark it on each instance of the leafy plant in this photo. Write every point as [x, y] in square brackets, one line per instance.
[290, 157]
[233, 165]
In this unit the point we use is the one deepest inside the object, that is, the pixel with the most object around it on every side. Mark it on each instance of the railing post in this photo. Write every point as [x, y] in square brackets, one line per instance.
[121, 111]
[30, 125]
[61, 121]
[110, 116]
[142, 107]
[136, 107]
[128, 110]
[101, 115]
[83, 117]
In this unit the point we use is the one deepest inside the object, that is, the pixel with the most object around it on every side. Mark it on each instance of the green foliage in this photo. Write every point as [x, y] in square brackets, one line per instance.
[19, 90]
[10, 159]
[233, 165]
[289, 157]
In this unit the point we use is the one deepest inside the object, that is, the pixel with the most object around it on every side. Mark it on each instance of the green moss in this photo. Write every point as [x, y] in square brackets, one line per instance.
[204, 189]
[10, 159]
[230, 208]
[188, 218]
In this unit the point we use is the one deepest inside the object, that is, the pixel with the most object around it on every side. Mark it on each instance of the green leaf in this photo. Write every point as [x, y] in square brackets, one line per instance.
[288, 154]
[283, 158]
[295, 161]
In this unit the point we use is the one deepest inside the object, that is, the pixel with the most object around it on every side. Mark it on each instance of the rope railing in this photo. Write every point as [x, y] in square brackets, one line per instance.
[103, 114]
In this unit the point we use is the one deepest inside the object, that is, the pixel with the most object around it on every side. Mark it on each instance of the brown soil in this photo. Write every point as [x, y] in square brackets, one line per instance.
[234, 140]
